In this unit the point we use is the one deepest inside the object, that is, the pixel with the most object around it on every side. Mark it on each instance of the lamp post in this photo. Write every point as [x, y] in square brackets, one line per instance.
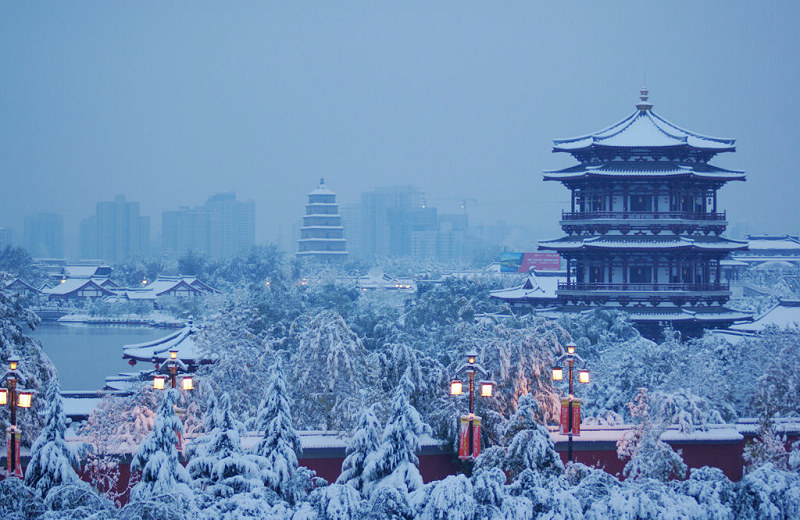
[172, 366]
[570, 357]
[14, 398]
[469, 438]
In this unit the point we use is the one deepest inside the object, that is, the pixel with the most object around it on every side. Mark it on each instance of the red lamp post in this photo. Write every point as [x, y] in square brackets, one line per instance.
[14, 398]
[568, 419]
[469, 438]
[171, 367]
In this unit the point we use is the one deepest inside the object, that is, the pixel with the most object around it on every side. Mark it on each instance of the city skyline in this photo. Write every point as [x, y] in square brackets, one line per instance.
[461, 100]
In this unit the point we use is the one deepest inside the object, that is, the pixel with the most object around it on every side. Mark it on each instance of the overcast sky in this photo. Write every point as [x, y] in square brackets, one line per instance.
[170, 102]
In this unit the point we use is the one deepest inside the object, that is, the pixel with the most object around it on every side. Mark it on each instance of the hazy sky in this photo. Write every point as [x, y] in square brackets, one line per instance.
[170, 102]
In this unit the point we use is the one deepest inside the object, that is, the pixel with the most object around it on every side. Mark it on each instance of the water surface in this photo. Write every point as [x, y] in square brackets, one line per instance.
[85, 354]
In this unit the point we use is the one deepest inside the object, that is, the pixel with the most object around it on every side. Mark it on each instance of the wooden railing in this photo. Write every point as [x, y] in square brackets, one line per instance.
[640, 215]
[644, 287]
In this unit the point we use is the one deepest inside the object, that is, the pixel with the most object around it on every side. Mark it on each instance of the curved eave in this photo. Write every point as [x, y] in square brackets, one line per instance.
[640, 127]
[643, 175]
[682, 244]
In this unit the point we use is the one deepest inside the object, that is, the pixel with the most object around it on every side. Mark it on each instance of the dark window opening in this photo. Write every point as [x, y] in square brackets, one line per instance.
[639, 274]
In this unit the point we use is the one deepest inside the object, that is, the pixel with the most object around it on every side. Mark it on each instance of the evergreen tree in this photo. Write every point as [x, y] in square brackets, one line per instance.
[364, 441]
[221, 466]
[280, 445]
[395, 462]
[157, 456]
[649, 456]
[52, 460]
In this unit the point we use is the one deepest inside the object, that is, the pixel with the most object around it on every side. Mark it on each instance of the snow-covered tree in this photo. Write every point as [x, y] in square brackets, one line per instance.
[646, 498]
[767, 492]
[685, 409]
[767, 448]
[395, 462]
[386, 503]
[280, 445]
[448, 499]
[362, 443]
[52, 461]
[337, 502]
[34, 366]
[157, 456]
[650, 457]
[331, 372]
[711, 488]
[221, 467]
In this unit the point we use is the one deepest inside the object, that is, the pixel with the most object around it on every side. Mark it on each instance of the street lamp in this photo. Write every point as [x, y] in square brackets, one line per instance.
[14, 398]
[568, 413]
[469, 437]
[172, 366]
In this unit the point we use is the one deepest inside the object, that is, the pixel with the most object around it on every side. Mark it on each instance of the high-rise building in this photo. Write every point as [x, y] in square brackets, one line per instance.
[322, 234]
[5, 238]
[222, 228]
[115, 232]
[43, 235]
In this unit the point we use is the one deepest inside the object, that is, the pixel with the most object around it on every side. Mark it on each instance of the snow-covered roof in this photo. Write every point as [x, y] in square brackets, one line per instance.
[71, 285]
[534, 288]
[322, 189]
[158, 350]
[86, 271]
[644, 169]
[658, 314]
[644, 129]
[642, 242]
[785, 314]
[773, 242]
[20, 285]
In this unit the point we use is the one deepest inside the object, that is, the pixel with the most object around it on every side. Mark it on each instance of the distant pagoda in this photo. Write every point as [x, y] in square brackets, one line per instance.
[322, 234]
[643, 231]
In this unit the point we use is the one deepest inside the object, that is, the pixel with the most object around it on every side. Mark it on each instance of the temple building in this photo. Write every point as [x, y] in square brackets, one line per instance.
[643, 231]
[322, 234]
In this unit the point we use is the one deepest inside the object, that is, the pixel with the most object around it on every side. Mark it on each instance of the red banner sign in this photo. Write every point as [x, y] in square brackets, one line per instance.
[576, 417]
[476, 437]
[14, 462]
[463, 438]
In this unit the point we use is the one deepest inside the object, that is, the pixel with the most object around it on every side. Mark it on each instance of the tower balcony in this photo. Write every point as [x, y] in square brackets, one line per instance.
[571, 216]
[676, 292]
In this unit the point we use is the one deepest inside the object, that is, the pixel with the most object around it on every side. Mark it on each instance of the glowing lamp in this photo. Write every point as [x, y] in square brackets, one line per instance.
[3, 396]
[13, 361]
[583, 376]
[187, 384]
[173, 354]
[487, 389]
[158, 382]
[558, 374]
[24, 399]
[456, 387]
[571, 348]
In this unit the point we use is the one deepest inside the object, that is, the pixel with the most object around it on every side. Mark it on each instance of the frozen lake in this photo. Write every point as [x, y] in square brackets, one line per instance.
[85, 354]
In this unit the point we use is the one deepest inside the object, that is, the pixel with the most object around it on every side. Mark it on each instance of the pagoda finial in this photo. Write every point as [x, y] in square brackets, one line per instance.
[644, 105]
[322, 181]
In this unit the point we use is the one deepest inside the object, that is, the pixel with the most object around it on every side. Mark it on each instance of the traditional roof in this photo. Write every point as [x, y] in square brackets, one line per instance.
[322, 189]
[535, 289]
[644, 129]
[671, 313]
[86, 271]
[643, 242]
[645, 169]
[72, 285]
[784, 314]
[157, 351]
[18, 284]
[773, 243]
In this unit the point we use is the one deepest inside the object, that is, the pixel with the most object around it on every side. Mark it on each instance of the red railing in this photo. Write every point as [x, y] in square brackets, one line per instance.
[640, 215]
[644, 287]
